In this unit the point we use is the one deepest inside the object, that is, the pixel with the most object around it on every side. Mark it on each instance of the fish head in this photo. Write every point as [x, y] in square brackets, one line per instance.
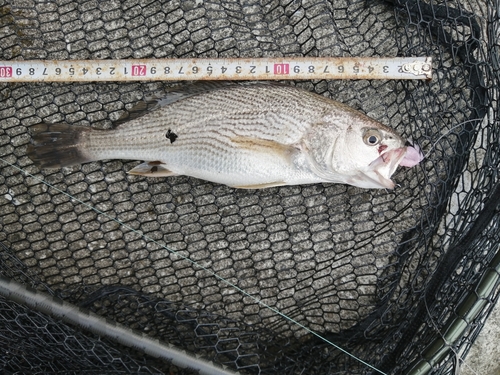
[346, 146]
[375, 152]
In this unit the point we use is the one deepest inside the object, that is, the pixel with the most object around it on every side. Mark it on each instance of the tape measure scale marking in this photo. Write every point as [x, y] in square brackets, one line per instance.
[215, 69]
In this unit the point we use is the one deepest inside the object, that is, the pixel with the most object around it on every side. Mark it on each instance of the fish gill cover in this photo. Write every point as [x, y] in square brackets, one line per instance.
[381, 274]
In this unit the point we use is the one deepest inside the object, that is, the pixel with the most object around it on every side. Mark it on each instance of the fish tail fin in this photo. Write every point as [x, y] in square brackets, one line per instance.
[58, 145]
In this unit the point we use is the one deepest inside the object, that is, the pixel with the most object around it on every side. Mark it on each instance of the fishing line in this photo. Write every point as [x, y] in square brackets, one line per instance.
[447, 133]
[227, 282]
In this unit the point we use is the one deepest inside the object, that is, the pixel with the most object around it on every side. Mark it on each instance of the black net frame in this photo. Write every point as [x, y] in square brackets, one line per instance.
[382, 274]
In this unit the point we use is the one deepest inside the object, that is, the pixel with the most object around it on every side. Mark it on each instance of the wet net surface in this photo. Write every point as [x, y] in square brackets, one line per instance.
[379, 273]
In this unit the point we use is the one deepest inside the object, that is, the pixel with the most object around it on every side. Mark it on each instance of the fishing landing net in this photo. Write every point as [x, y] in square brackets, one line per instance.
[402, 280]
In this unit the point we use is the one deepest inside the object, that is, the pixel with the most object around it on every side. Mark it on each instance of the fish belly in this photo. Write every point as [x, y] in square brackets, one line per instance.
[238, 167]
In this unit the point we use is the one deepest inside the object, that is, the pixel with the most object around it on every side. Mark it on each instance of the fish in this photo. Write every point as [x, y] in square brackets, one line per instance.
[247, 135]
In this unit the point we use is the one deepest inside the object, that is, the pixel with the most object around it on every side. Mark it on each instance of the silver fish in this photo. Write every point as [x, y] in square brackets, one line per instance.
[245, 135]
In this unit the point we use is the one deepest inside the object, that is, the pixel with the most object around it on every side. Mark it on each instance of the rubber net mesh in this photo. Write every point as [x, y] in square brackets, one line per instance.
[377, 272]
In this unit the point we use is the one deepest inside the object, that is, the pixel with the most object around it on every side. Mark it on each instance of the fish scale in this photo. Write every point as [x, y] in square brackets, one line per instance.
[246, 135]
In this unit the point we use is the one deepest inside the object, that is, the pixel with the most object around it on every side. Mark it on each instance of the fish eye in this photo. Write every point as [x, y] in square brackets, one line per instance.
[372, 137]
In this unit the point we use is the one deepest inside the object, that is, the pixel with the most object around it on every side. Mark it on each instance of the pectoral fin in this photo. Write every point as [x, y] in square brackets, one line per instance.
[264, 145]
[152, 169]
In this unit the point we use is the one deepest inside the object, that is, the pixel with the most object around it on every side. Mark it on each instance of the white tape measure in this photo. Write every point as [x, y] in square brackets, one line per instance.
[216, 69]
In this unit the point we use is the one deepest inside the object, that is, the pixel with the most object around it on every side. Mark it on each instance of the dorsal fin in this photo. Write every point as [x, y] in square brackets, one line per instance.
[138, 110]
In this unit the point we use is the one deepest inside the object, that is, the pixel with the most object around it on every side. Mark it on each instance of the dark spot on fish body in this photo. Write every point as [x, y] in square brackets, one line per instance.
[171, 136]
[154, 169]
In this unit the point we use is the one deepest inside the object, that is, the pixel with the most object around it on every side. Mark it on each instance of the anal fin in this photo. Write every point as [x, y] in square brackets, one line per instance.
[152, 169]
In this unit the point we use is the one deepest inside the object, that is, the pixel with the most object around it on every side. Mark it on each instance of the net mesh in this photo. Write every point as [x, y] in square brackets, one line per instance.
[380, 273]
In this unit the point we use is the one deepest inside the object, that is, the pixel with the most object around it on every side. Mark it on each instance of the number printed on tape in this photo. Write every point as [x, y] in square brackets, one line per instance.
[5, 71]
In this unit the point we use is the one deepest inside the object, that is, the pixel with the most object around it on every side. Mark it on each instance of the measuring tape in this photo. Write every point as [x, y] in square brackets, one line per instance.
[216, 69]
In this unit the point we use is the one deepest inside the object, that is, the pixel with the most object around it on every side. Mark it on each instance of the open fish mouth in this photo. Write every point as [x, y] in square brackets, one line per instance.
[391, 159]
[382, 168]
[377, 175]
